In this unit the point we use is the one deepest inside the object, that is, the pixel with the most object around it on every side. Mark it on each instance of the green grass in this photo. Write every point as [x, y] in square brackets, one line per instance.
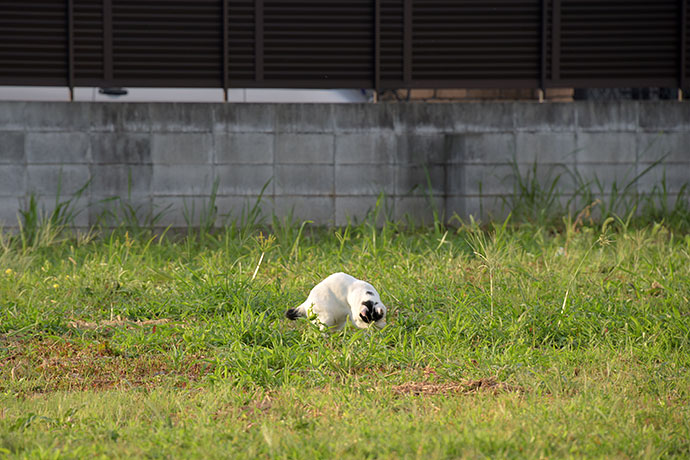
[507, 341]
[541, 336]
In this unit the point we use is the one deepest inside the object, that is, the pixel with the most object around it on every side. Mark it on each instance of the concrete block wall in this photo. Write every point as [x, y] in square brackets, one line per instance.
[324, 162]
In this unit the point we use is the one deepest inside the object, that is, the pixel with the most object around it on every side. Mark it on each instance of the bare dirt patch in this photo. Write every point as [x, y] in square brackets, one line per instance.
[52, 365]
[490, 385]
[79, 324]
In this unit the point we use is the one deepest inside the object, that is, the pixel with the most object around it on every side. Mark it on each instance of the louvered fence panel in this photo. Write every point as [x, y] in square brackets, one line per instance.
[476, 43]
[383, 44]
[33, 43]
[318, 43]
[620, 42]
[167, 43]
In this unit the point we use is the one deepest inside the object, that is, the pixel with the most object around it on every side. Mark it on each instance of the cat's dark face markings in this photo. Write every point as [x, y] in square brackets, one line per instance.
[366, 314]
[370, 314]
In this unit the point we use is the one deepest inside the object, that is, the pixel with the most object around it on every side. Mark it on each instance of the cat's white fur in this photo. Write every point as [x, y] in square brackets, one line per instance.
[339, 297]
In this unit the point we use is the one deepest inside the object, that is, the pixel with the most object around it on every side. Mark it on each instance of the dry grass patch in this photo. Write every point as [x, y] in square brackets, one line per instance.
[53, 365]
[469, 386]
[118, 322]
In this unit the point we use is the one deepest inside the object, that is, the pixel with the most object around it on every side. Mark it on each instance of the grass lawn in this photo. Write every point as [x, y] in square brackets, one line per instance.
[501, 342]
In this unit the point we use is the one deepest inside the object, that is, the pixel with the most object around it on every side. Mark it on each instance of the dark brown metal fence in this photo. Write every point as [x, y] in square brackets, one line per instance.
[381, 44]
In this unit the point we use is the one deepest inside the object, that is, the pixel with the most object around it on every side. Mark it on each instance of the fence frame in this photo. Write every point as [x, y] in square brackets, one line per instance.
[549, 73]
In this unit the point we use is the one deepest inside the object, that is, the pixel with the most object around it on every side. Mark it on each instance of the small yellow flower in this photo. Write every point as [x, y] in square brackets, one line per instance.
[55, 286]
[9, 271]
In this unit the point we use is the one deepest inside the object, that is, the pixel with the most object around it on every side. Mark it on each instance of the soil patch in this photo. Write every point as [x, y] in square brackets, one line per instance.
[79, 324]
[469, 386]
[52, 365]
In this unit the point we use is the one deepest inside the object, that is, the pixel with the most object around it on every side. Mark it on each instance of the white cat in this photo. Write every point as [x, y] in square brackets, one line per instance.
[338, 297]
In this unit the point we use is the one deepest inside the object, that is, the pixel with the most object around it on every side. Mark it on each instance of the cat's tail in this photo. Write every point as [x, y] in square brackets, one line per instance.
[297, 312]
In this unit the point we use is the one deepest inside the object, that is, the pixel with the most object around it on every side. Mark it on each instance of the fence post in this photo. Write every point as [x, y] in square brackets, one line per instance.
[70, 48]
[225, 50]
[682, 62]
[407, 43]
[542, 51]
[108, 42]
[377, 49]
[259, 41]
[555, 40]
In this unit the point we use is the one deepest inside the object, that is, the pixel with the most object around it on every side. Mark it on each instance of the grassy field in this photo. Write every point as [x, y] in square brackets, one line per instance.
[566, 340]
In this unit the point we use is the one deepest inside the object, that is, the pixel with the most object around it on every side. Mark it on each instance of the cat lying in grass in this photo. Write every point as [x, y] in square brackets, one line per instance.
[341, 296]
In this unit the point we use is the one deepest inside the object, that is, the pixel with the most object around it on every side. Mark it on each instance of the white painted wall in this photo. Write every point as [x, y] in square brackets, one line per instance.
[91, 94]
